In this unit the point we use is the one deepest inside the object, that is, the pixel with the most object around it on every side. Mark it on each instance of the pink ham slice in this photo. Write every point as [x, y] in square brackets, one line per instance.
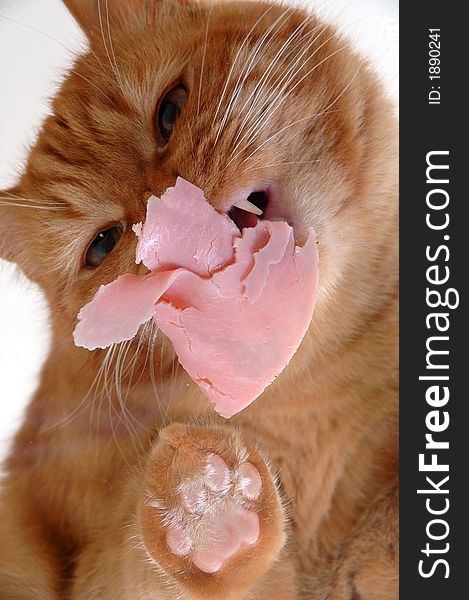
[183, 230]
[235, 306]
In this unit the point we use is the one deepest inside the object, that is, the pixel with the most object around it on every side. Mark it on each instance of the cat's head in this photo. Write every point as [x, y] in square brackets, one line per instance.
[245, 100]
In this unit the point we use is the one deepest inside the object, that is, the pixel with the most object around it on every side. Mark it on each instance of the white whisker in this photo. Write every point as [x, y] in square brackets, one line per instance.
[28, 205]
[203, 60]
[152, 342]
[93, 85]
[281, 164]
[260, 85]
[320, 114]
[280, 97]
[248, 69]
[111, 45]
[233, 64]
[106, 49]
[82, 404]
[72, 52]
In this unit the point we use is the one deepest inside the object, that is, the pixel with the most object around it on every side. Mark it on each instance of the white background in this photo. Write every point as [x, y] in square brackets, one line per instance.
[38, 40]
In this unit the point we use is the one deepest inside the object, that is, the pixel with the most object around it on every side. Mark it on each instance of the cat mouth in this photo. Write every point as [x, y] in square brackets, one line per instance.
[247, 211]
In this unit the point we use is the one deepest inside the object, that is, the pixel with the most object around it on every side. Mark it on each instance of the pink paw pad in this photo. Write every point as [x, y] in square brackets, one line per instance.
[178, 541]
[230, 533]
[217, 473]
[249, 481]
[219, 522]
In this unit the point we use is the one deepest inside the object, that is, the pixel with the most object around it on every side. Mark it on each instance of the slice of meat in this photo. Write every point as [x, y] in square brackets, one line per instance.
[235, 307]
[241, 333]
[119, 308]
[183, 230]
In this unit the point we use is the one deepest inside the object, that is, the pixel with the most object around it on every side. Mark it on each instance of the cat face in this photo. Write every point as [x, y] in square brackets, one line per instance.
[246, 101]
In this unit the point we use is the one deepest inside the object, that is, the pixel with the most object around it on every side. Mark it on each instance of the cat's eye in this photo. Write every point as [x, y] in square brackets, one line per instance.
[102, 245]
[168, 112]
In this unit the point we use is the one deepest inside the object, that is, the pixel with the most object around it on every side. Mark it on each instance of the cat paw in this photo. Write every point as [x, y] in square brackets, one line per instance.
[210, 514]
[217, 515]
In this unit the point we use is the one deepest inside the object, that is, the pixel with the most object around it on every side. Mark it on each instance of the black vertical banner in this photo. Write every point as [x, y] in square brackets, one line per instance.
[434, 238]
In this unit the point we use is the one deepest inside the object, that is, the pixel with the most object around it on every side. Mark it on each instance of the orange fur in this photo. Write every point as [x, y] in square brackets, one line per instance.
[94, 442]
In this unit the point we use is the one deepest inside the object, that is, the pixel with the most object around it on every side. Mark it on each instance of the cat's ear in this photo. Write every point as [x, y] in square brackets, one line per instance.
[94, 15]
[85, 13]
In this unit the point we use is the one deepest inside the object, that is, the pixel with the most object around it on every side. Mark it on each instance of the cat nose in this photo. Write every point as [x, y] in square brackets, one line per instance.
[247, 208]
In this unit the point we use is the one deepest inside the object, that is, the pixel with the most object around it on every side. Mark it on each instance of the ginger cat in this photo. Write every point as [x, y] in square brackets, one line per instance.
[123, 483]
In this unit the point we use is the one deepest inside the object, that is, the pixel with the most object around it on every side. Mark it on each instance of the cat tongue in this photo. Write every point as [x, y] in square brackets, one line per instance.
[235, 306]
